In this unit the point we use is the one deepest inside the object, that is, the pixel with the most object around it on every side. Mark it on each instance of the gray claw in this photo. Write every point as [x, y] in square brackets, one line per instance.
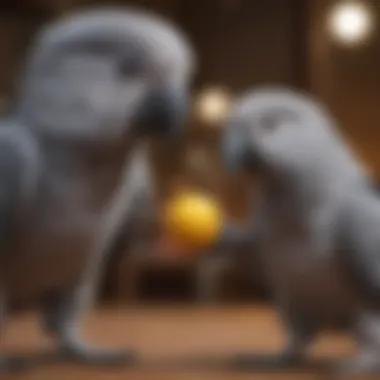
[364, 365]
[97, 356]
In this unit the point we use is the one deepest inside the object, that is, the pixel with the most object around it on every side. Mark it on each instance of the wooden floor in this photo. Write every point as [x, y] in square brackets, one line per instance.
[167, 337]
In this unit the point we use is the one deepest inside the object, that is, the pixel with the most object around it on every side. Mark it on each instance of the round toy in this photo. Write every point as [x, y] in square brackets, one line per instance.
[193, 219]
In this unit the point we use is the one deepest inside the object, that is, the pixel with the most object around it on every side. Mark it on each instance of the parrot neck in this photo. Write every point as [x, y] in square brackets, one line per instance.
[84, 170]
[322, 181]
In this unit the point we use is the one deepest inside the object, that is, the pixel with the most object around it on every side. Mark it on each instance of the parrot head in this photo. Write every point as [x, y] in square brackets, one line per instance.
[280, 132]
[107, 74]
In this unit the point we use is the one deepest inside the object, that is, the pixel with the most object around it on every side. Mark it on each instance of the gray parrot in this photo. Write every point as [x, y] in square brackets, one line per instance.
[73, 170]
[316, 224]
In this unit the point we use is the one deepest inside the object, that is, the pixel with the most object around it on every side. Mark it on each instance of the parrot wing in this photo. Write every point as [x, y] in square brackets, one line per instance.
[141, 212]
[360, 238]
[19, 164]
[138, 220]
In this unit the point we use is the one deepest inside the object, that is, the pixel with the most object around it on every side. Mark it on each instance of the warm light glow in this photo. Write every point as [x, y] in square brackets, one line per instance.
[351, 22]
[212, 105]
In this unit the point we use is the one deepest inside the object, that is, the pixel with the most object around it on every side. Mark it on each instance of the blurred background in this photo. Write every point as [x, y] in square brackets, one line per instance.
[328, 48]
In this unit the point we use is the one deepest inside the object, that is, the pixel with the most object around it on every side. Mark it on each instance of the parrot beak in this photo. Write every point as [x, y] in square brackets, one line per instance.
[238, 154]
[164, 112]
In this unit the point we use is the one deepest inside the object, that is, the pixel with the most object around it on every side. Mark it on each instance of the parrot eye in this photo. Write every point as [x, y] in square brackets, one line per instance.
[271, 122]
[131, 63]
[129, 68]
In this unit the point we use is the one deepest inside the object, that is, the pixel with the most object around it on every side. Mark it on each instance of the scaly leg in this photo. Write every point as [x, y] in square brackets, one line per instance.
[62, 317]
[300, 332]
[367, 361]
[66, 314]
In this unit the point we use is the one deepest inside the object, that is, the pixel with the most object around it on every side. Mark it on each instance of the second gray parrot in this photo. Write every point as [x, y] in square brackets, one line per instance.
[71, 175]
[316, 223]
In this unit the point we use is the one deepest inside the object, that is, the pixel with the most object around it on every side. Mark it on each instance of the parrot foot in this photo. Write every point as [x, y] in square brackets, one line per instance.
[14, 364]
[365, 364]
[58, 321]
[265, 362]
[82, 353]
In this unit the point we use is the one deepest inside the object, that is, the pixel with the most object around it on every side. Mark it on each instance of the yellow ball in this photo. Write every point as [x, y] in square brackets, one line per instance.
[193, 219]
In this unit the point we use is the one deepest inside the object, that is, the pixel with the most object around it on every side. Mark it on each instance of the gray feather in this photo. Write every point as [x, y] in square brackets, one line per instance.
[319, 219]
[72, 164]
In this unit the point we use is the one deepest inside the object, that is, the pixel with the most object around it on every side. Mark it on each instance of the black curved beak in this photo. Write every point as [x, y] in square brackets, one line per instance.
[164, 112]
[238, 154]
